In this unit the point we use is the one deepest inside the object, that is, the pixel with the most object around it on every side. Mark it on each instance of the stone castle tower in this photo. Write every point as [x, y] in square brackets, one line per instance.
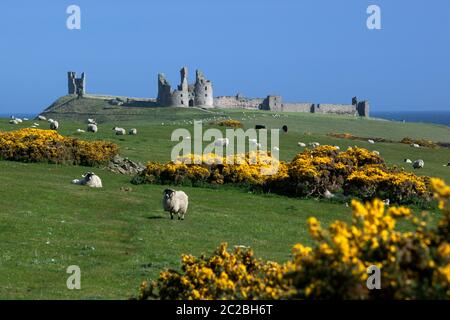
[76, 85]
[199, 94]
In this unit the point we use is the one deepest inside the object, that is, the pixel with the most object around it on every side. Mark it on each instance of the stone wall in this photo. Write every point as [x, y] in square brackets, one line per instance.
[230, 102]
[298, 107]
[346, 109]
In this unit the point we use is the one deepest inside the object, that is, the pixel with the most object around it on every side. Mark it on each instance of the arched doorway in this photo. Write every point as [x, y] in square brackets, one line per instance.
[191, 102]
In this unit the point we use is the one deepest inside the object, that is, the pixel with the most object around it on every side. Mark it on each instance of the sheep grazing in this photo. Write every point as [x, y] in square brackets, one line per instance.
[313, 144]
[418, 164]
[415, 145]
[407, 161]
[54, 125]
[223, 142]
[92, 127]
[370, 141]
[132, 132]
[90, 179]
[175, 202]
[301, 144]
[119, 131]
[42, 118]
[13, 121]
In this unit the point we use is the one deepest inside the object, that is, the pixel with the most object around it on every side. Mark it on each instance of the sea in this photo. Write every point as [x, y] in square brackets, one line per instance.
[436, 117]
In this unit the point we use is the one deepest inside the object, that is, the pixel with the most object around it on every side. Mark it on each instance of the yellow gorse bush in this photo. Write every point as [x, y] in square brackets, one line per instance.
[36, 145]
[230, 123]
[356, 172]
[414, 264]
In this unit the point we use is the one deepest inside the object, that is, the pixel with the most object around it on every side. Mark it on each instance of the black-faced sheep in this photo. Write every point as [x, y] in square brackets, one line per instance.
[54, 125]
[119, 131]
[90, 179]
[418, 164]
[92, 127]
[175, 202]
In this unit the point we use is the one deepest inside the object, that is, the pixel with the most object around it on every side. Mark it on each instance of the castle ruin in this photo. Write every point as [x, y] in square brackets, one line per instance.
[76, 85]
[200, 94]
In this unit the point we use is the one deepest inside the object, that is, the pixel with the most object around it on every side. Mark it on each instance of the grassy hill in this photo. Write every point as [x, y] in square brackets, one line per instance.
[119, 235]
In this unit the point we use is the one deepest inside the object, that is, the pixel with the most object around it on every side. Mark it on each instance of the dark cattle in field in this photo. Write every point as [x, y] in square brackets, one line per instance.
[259, 126]
[285, 128]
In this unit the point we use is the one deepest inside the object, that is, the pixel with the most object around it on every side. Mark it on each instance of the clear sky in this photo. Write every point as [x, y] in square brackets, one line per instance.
[305, 50]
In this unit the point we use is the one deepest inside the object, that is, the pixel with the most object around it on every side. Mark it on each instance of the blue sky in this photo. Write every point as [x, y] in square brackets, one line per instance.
[305, 50]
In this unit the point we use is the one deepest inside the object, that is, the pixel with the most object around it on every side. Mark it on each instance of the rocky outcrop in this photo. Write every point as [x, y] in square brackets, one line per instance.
[125, 166]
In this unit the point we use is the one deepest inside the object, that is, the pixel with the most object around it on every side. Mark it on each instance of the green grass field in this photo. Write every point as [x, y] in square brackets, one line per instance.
[119, 235]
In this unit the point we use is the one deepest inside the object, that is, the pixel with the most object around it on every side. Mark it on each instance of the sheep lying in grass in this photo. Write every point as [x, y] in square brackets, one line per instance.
[119, 131]
[132, 132]
[175, 202]
[42, 118]
[92, 127]
[90, 179]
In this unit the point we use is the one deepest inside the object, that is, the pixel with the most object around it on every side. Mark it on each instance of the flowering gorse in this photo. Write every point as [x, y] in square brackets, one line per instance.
[354, 172]
[414, 264]
[36, 145]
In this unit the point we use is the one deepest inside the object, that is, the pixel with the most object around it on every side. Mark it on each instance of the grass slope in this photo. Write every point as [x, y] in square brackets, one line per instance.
[119, 235]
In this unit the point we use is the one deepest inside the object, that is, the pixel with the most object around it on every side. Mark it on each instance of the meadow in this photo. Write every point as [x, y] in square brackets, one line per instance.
[119, 235]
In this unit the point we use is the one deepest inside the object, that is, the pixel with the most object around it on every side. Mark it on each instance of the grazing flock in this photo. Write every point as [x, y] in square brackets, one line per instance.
[176, 202]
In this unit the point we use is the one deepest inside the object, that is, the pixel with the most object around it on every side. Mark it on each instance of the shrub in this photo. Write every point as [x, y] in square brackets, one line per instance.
[230, 123]
[35, 145]
[356, 171]
[413, 264]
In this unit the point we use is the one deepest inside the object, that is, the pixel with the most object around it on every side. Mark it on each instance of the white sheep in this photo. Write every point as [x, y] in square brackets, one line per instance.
[92, 121]
[301, 144]
[119, 131]
[370, 141]
[54, 125]
[415, 145]
[328, 195]
[313, 144]
[36, 124]
[223, 142]
[132, 132]
[418, 164]
[90, 179]
[80, 131]
[92, 127]
[337, 147]
[13, 121]
[376, 152]
[407, 161]
[175, 202]
[42, 118]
